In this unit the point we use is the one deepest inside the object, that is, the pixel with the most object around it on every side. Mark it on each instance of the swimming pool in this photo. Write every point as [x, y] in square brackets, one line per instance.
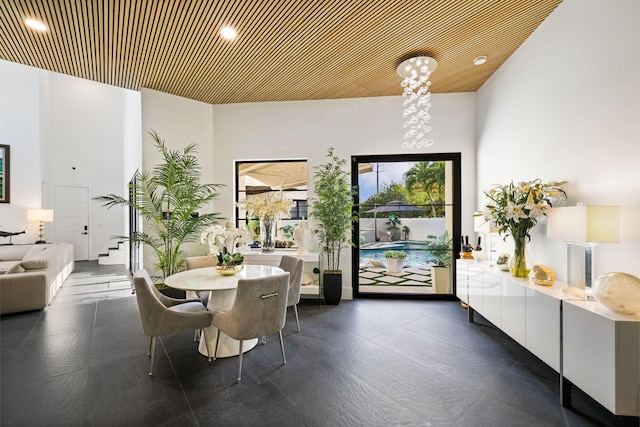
[417, 254]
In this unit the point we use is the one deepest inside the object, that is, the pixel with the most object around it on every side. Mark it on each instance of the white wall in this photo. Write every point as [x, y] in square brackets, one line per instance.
[19, 128]
[364, 126]
[305, 130]
[86, 135]
[566, 106]
[179, 122]
[54, 123]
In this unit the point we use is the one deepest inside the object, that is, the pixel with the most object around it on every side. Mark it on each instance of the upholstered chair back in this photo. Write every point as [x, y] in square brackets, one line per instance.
[258, 309]
[200, 262]
[293, 265]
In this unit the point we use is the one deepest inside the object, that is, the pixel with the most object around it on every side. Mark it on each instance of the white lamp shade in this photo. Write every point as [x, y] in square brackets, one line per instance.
[42, 215]
[584, 224]
[481, 225]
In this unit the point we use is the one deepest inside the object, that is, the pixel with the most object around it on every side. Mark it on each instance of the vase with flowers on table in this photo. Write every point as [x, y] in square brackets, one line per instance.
[226, 244]
[513, 209]
[268, 208]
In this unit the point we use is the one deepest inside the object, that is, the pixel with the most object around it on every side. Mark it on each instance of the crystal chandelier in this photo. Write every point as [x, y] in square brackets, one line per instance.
[415, 73]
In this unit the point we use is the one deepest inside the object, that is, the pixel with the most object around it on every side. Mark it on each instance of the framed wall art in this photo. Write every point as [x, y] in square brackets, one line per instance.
[5, 173]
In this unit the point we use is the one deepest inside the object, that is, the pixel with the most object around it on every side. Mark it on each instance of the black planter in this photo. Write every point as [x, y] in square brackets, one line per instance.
[173, 293]
[332, 286]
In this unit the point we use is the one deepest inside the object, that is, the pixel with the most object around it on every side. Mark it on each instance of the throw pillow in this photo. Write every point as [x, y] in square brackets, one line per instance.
[35, 264]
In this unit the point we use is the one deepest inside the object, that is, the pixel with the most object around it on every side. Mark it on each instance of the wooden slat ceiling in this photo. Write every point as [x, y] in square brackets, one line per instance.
[285, 49]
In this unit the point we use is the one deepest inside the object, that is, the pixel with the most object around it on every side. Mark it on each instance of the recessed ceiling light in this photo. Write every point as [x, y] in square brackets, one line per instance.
[35, 24]
[228, 33]
[479, 60]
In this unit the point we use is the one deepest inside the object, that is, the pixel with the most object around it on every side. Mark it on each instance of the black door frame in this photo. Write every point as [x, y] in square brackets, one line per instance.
[455, 158]
[134, 226]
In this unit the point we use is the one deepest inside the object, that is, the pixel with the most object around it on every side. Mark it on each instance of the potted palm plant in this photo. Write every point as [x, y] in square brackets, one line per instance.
[393, 227]
[395, 260]
[169, 200]
[441, 249]
[332, 211]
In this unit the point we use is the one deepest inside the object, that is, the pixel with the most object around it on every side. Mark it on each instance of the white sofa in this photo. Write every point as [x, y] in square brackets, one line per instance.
[30, 275]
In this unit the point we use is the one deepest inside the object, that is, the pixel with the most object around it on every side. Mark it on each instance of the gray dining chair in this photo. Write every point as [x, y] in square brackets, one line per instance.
[162, 315]
[259, 309]
[194, 262]
[293, 265]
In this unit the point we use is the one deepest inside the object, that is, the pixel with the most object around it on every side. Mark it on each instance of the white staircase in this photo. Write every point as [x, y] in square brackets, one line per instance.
[115, 256]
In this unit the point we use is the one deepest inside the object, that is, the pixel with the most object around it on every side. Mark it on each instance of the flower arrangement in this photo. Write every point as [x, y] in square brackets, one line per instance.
[269, 209]
[223, 243]
[274, 205]
[515, 208]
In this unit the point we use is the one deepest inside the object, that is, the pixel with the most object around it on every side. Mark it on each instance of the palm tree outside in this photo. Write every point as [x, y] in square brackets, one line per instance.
[427, 179]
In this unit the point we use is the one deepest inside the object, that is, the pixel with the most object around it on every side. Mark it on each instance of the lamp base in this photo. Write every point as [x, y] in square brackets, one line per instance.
[40, 242]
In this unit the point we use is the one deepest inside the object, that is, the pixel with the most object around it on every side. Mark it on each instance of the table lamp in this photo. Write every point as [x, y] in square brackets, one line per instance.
[481, 225]
[42, 216]
[585, 226]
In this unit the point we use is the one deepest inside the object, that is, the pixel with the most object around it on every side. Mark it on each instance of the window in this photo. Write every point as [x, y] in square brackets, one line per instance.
[263, 177]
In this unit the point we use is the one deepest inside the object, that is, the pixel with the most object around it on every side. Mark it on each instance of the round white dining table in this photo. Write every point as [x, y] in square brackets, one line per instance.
[223, 293]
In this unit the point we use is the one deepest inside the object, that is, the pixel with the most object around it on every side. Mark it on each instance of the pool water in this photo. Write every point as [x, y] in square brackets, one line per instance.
[415, 255]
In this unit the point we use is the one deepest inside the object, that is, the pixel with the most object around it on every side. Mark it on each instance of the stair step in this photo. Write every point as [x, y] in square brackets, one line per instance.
[112, 260]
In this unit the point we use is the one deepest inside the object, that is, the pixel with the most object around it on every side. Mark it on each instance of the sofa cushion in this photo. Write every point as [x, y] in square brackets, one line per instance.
[17, 268]
[35, 264]
[13, 252]
[28, 265]
[32, 251]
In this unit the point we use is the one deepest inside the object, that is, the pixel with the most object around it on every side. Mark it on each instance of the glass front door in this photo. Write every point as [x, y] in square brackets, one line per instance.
[409, 218]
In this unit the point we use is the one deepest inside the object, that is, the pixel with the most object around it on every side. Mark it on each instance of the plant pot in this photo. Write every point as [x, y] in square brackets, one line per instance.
[441, 280]
[173, 293]
[332, 286]
[395, 265]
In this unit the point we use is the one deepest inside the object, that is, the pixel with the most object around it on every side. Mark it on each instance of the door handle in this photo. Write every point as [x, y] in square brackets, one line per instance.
[84, 232]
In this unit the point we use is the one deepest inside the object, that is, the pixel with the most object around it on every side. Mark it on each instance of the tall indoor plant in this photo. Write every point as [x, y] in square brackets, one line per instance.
[169, 199]
[332, 211]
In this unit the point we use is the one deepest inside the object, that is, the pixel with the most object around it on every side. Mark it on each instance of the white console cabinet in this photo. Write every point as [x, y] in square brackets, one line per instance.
[310, 286]
[601, 352]
[542, 326]
[462, 284]
[512, 309]
[591, 347]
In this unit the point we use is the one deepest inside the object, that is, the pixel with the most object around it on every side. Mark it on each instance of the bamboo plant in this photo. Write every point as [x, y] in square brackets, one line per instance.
[332, 208]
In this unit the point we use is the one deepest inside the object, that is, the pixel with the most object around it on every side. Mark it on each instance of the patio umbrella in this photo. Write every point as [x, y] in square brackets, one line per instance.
[395, 206]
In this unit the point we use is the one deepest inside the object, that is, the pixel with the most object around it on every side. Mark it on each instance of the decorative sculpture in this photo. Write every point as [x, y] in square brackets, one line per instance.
[10, 235]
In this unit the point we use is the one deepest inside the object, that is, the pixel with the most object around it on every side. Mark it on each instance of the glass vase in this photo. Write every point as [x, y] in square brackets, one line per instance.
[268, 234]
[519, 264]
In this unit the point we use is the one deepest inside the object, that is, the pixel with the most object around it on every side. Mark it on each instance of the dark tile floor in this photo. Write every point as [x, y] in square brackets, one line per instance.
[83, 362]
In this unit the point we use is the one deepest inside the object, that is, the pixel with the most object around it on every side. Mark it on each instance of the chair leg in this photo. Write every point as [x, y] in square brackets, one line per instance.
[239, 360]
[206, 343]
[196, 335]
[263, 340]
[152, 353]
[215, 349]
[295, 310]
[284, 360]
